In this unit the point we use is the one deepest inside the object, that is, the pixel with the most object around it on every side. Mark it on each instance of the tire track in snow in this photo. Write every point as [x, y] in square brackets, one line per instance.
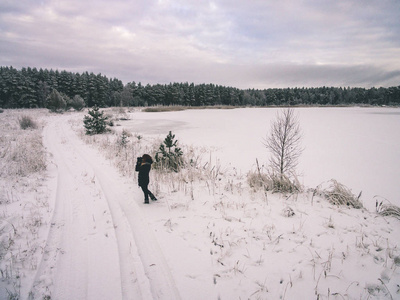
[109, 252]
[149, 257]
[80, 260]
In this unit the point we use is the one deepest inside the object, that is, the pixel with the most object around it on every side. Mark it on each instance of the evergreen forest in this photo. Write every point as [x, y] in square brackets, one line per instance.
[31, 88]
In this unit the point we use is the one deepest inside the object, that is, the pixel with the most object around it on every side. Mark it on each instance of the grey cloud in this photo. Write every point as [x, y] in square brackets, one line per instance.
[324, 75]
[237, 43]
[21, 6]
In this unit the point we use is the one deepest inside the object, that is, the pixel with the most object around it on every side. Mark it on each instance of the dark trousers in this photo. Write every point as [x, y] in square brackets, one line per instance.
[147, 193]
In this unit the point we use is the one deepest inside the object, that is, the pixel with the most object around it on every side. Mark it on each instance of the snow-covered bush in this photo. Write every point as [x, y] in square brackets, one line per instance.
[56, 102]
[77, 103]
[95, 122]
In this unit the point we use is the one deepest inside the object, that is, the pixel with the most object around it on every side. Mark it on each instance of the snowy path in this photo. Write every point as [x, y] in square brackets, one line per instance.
[98, 246]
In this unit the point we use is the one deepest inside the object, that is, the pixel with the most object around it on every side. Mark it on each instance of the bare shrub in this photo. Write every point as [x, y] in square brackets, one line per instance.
[284, 144]
[26, 122]
[338, 194]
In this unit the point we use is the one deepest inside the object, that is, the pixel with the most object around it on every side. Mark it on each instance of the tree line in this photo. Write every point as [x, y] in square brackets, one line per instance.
[31, 88]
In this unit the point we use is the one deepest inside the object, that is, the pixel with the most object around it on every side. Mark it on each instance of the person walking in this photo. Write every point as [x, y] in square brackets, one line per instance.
[143, 166]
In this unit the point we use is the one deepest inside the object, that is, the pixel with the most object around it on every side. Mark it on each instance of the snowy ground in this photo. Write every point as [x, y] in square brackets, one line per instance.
[79, 229]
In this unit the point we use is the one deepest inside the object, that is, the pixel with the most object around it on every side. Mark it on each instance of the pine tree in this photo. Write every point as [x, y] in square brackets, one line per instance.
[123, 139]
[169, 155]
[96, 122]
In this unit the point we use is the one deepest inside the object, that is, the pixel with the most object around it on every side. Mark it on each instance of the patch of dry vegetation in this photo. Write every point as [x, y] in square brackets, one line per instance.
[340, 195]
[271, 182]
[21, 150]
[23, 205]
[387, 209]
[180, 108]
[26, 122]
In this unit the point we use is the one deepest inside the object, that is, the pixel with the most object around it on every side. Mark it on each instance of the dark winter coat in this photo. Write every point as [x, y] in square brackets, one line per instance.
[144, 170]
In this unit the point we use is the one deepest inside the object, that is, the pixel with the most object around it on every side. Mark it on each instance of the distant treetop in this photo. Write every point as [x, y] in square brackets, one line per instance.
[30, 87]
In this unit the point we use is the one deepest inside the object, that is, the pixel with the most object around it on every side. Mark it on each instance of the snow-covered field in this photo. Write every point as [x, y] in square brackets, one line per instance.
[79, 229]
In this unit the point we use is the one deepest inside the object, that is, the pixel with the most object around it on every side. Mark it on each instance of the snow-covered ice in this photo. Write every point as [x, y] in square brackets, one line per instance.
[357, 146]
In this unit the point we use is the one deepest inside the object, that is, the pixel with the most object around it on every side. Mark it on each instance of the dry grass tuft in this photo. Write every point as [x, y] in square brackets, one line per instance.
[21, 151]
[387, 210]
[26, 122]
[272, 182]
[164, 108]
[257, 180]
[180, 108]
[338, 194]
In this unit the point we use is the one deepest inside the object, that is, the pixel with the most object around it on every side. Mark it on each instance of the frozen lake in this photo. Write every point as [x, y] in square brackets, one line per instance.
[359, 147]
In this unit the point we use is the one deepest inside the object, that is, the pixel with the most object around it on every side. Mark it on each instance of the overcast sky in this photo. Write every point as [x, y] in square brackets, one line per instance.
[245, 44]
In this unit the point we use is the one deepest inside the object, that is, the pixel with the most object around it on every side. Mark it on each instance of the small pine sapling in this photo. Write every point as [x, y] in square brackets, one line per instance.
[169, 155]
[96, 122]
[123, 139]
